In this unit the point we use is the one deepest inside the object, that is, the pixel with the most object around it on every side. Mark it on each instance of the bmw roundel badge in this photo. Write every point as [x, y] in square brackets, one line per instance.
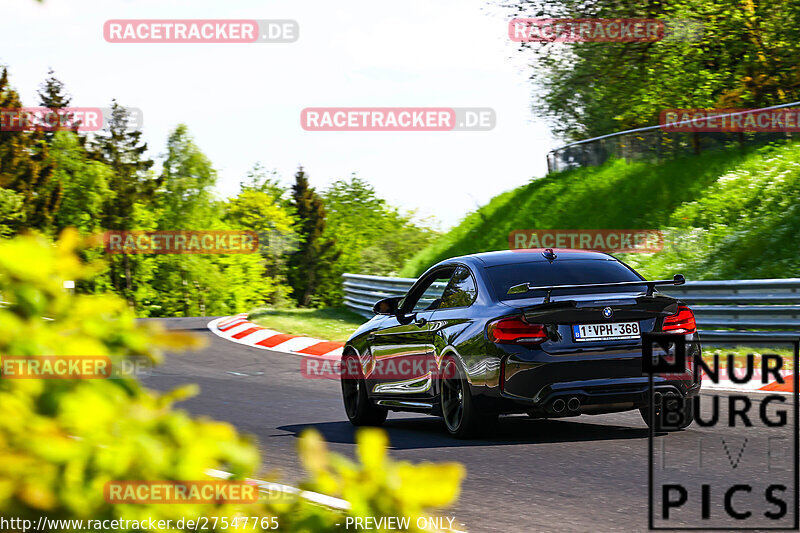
[607, 312]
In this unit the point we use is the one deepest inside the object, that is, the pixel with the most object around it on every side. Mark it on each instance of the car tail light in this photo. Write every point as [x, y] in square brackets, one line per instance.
[681, 322]
[516, 331]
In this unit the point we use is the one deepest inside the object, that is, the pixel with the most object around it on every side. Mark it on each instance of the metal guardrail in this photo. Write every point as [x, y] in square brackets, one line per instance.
[362, 291]
[657, 143]
[755, 308]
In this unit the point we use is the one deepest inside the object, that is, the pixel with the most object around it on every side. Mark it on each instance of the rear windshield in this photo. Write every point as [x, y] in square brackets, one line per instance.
[567, 272]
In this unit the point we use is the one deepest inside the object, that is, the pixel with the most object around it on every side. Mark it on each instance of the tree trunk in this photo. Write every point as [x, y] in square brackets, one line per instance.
[696, 143]
[309, 292]
[184, 285]
[128, 282]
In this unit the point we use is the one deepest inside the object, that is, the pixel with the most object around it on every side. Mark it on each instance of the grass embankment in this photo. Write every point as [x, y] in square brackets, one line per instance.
[330, 324]
[726, 214]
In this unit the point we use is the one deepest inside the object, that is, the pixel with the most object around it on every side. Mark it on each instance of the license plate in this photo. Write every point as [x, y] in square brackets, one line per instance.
[605, 332]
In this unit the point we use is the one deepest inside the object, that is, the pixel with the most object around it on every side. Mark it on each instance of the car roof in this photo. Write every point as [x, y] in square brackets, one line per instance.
[528, 255]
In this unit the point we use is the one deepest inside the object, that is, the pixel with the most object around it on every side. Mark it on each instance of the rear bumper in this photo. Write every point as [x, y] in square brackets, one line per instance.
[599, 382]
[596, 396]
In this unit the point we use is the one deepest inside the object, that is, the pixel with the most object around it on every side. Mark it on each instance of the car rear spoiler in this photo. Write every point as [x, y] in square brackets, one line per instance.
[677, 279]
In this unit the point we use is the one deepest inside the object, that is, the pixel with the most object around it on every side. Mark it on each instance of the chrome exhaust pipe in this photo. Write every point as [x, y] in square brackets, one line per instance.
[558, 405]
[573, 404]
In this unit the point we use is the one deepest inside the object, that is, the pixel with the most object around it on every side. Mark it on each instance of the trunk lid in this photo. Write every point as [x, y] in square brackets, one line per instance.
[588, 310]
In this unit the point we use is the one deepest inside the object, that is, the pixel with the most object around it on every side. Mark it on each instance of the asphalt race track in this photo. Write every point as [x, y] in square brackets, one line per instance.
[582, 474]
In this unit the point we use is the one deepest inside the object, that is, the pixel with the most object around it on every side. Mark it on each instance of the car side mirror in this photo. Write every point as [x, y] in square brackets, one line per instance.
[387, 306]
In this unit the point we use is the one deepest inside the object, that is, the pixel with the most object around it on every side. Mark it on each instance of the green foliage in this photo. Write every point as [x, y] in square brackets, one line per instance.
[185, 202]
[27, 169]
[726, 214]
[745, 225]
[377, 486]
[10, 211]
[61, 440]
[192, 285]
[744, 56]
[84, 183]
[316, 252]
[259, 179]
[260, 207]
[185, 196]
[51, 181]
[53, 95]
[121, 148]
[375, 238]
[372, 236]
[617, 195]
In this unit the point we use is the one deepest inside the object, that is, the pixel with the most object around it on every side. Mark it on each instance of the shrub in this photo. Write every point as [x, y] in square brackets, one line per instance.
[61, 440]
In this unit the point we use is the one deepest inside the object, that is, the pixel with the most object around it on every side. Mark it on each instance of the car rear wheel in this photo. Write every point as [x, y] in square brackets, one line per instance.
[679, 415]
[462, 418]
[359, 408]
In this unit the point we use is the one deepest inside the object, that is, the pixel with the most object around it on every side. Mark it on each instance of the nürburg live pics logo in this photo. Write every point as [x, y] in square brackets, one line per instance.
[735, 467]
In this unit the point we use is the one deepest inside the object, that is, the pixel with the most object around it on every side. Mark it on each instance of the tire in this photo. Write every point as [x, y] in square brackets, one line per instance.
[359, 408]
[462, 418]
[677, 418]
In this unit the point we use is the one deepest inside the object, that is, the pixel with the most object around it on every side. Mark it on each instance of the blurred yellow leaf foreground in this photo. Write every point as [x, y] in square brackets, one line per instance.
[62, 440]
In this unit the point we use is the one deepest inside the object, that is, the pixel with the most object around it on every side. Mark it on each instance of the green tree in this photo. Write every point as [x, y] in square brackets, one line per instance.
[121, 148]
[315, 252]
[185, 201]
[53, 95]
[260, 207]
[745, 55]
[192, 284]
[10, 211]
[83, 182]
[26, 168]
[259, 179]
[85, 185]
[187, 178]
[374, 237]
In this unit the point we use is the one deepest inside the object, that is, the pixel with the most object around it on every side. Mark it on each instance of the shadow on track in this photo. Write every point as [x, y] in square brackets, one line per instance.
[427, 432]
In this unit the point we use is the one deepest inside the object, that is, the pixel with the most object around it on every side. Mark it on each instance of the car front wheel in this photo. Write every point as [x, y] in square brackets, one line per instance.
[359, 408]
[462, 418]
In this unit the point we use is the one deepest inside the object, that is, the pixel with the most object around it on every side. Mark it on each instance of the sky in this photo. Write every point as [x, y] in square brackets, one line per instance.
[242, 102]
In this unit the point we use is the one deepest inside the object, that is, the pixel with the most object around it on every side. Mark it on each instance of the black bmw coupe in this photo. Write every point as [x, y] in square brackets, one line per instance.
[550, 333]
